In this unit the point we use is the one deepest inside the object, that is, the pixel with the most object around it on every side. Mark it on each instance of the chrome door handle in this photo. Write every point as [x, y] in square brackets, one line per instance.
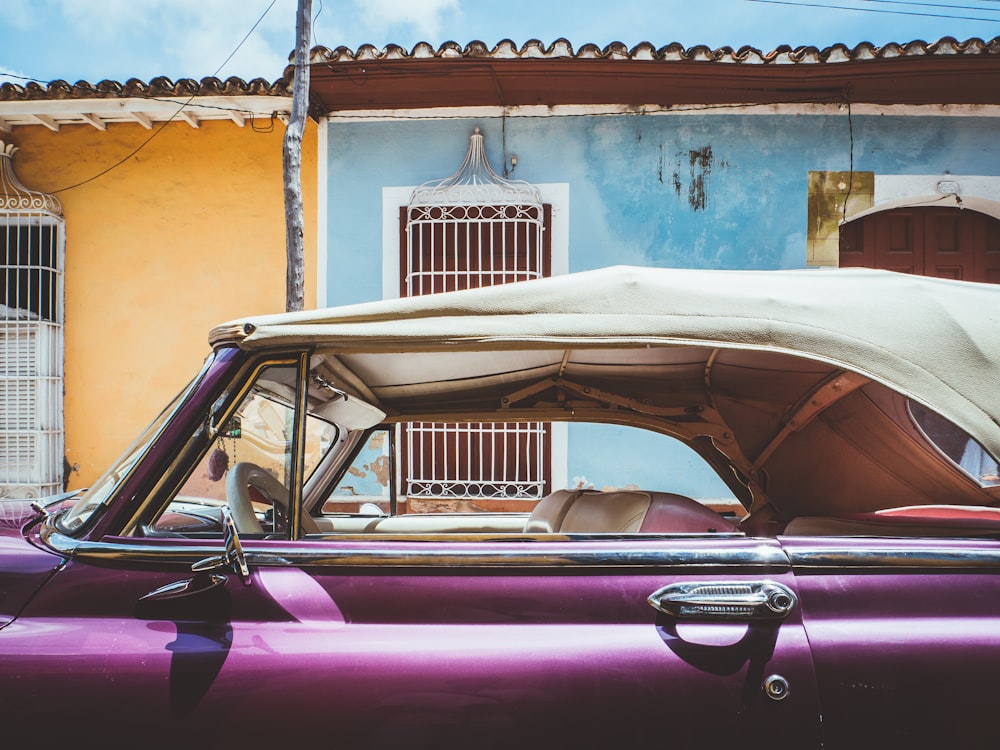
[725, 600]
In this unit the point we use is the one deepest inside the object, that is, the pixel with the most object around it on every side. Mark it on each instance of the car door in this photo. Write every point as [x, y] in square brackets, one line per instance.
[905, 638]
[383, 642]
[556, 644]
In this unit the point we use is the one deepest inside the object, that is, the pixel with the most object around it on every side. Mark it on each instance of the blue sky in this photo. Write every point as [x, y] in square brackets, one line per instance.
[93, 40]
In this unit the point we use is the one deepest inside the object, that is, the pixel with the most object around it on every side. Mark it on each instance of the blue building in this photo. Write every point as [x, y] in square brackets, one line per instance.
[669, 157]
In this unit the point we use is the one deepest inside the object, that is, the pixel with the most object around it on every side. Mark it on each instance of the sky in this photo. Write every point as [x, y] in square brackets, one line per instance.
[94, 40]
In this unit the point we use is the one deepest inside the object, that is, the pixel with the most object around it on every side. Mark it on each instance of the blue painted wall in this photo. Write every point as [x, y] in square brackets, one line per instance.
[706, 191]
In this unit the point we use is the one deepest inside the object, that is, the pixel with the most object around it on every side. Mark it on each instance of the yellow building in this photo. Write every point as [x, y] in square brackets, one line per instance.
[172, 210]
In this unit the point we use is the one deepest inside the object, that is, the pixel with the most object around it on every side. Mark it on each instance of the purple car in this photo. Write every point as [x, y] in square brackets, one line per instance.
[622, 508]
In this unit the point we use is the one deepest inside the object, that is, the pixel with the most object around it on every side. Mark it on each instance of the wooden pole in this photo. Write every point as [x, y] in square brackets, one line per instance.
[292, 162]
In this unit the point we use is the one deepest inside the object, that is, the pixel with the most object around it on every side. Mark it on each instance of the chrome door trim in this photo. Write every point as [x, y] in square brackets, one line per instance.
[520, 551]
[516, 551]
[891, 558]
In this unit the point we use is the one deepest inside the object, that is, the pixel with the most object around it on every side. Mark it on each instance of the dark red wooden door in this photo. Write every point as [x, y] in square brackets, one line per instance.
[950, 243]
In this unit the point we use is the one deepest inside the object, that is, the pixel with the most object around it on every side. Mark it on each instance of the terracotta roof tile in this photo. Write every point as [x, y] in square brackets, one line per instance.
[562, 48]
[157, 87]
[58, 103]
[945, 72]
[503, 50]
[526, 71]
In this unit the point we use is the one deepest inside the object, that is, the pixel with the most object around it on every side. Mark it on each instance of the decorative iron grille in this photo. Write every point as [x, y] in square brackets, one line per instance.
[460, 247]
[469, 230]
[32, 436]
[491, 460]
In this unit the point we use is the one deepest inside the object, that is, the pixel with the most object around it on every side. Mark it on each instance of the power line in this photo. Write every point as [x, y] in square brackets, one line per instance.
[877, 10]
[932, 5]
[245, 37]
[169, 120]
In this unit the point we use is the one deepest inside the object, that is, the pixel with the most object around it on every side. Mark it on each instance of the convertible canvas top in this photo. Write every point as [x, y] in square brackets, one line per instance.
[937, 341]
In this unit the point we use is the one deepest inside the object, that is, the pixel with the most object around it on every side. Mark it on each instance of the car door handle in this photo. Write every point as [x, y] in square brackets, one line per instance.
[724, 600]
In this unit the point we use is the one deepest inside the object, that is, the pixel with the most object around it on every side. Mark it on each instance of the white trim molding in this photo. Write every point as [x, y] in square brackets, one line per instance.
[975, 192]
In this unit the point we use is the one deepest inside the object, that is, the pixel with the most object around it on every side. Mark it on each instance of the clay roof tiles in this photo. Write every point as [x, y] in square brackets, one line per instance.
[944, 72]
[562, 48]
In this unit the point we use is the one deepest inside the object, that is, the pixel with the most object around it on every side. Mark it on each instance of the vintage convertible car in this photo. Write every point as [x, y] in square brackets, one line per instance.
[669, 507]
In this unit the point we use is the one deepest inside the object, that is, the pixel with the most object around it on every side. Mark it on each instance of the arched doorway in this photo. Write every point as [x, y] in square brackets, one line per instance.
[952, 243]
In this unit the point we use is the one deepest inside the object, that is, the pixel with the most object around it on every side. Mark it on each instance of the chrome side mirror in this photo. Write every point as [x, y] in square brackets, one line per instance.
[233, 556]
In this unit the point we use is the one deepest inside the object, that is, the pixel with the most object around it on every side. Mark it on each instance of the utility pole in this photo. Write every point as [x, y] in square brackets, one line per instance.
[292, 162]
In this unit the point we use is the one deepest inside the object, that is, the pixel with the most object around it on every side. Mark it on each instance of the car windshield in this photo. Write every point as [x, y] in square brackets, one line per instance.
[100, 492]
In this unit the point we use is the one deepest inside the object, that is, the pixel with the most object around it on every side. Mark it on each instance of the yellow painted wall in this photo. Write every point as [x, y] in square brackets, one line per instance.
[186, 234]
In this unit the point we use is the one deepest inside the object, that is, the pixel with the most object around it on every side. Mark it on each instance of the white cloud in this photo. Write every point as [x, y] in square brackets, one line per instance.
[186, 38]
[18, 14]
[113, 15]
[423, 17]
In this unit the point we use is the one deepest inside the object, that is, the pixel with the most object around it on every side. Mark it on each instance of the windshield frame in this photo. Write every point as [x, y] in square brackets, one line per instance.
[76, 519]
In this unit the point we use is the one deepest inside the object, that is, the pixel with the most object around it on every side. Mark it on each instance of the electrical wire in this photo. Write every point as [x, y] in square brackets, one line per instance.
[877, 10]
[170, 119]
[933, 5]
[850, 181]
[245, 37]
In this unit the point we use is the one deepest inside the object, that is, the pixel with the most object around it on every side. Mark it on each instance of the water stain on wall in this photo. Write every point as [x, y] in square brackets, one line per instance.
[700, 162]
[701, 167]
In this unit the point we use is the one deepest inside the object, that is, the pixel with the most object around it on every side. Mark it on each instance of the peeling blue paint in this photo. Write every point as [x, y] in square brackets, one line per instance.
[705, 191]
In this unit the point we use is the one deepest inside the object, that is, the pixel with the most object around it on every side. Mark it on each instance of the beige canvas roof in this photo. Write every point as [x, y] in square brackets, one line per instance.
[937, 341]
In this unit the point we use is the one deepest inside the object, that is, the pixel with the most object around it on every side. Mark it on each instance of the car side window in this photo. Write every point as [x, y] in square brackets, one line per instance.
[248, 467]
[366, 484]
[633, 480]
[971, 457]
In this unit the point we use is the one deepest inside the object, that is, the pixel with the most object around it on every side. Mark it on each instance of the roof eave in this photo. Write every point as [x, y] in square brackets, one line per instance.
[446, 82]
[945, 72]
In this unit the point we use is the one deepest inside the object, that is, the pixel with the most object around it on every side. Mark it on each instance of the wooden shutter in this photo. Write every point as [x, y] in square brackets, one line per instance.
[943, 242]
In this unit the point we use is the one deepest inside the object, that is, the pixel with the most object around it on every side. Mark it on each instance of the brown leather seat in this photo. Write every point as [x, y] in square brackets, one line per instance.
[549, 512]
[623, 512]
[678, 514]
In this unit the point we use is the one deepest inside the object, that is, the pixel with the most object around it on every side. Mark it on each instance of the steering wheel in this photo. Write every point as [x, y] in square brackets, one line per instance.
[244, 478]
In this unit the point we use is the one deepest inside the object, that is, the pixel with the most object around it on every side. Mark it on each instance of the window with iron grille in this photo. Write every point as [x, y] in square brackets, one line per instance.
[462, 247]
[470, 230]
[31, 338]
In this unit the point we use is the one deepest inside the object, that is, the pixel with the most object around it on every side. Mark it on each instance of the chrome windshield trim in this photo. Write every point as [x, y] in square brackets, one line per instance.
[892, 558]
[132, 457]
[524, 551]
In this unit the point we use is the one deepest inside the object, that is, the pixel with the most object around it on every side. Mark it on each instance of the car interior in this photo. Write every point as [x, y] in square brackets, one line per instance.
[803, 448]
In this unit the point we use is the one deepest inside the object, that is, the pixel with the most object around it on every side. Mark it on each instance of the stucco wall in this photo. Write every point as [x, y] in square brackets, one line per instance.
[694, 190]
[187, 234]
